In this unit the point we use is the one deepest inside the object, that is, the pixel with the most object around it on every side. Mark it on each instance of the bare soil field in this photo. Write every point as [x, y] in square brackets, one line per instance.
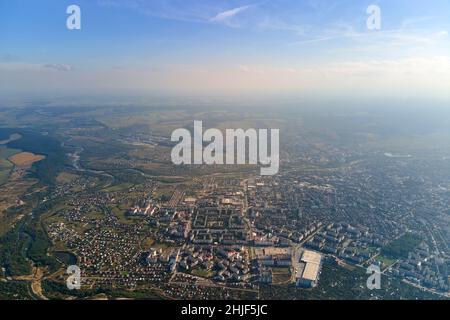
[25, 159]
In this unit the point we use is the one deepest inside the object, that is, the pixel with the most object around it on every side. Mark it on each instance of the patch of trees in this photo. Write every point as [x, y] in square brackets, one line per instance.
[400, 247]
[338, 283]
[12, 247]
[38, 248]
[57, 290]
[55, 158]
[39, 245]
[14, 290]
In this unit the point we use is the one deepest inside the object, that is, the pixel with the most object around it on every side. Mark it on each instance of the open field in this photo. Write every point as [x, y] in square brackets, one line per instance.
[5, 170]
[6, 166]
[10, 194]
[12, 137]
[281, 275]
[25, 159]
[6, 152]
[387, 262]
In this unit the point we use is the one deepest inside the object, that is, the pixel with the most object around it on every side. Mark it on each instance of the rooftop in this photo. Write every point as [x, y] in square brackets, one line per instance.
[311, 257]
[312, 265]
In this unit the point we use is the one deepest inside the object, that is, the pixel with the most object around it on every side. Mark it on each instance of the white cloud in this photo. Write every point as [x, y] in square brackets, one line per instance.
[227, 16]
[24, 66]
[58, 67]
[385, 38]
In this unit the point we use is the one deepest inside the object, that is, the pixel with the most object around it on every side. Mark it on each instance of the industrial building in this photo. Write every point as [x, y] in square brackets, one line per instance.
[309, 271]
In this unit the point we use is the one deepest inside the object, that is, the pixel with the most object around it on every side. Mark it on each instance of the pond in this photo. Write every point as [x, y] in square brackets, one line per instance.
[66, 257]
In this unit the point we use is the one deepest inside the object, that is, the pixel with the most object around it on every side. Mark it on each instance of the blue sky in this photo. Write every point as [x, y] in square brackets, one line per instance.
[137, 47]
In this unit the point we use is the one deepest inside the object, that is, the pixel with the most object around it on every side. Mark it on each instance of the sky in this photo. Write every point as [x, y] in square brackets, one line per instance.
[137, 48]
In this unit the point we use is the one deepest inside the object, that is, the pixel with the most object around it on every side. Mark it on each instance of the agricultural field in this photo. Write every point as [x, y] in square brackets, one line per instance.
[6, 166]
[25, 159]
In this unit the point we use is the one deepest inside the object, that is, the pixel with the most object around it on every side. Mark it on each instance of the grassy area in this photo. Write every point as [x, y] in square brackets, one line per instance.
[387, 262]
[119, 187]
[5, 170]
[281, 275]
[6, 152]
[148, 242]
[121, 214]
[5, 165]
[66, 177]
[199, 272]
